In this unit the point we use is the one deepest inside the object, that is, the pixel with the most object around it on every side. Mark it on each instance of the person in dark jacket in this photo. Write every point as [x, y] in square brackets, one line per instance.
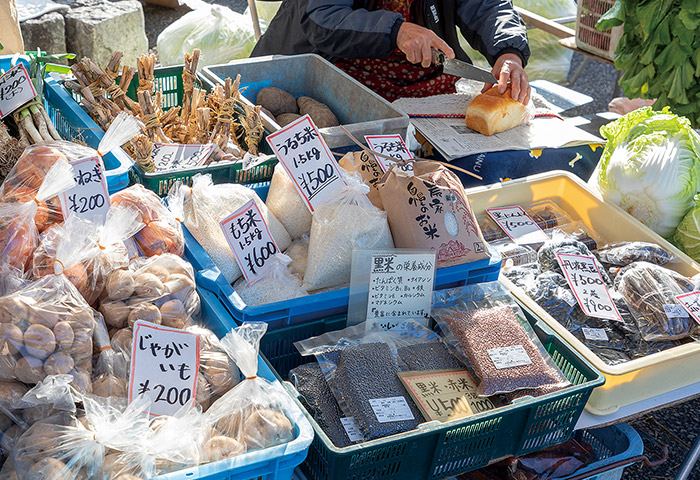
[386, 44]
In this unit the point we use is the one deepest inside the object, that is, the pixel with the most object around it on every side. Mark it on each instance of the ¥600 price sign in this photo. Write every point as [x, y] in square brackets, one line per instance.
[89, 198]
[250, 240]
[308, 161]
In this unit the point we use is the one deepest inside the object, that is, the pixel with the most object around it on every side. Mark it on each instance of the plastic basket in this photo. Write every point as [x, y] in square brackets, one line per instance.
[274, 463]
[632, 381]
[588, 38]
[319, 305]
[75, 125]
[439, 450]
[611, 444]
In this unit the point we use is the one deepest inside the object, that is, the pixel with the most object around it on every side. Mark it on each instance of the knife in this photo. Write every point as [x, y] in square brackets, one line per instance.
[462, 69]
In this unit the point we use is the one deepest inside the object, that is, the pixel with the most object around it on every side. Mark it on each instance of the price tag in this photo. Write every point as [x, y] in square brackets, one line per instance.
[517, 225]
[173, 156]
[16, 89]
[391, 409]
[351, 428]
[584, 278]
[675, 311]
[508, 357]
[594, 334]
[691, 302]
[400, 286]
[567, 296]
[250, 240]
[445, 395]
[89, 198]
[393, 146]
[308, 161]
[164, 366]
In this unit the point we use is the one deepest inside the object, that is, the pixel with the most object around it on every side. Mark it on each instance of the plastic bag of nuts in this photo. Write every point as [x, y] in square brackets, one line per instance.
[488, 330]
[46, 329]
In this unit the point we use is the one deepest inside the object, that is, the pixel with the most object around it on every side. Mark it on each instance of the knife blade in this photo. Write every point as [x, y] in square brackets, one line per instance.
[462, 69]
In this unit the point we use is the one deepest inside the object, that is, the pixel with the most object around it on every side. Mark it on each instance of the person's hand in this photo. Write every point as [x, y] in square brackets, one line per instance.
[509, 66]
[416, 42]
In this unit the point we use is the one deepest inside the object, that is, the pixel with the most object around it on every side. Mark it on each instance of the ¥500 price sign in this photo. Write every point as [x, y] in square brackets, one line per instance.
[308, 161]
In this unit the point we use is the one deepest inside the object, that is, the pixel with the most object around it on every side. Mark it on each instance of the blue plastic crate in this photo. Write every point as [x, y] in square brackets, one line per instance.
[275, 463]
[75, 125]
[319, 305]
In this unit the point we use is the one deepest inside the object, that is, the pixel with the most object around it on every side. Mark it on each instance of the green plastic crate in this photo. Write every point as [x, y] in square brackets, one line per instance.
[440, 450]
[169, 81]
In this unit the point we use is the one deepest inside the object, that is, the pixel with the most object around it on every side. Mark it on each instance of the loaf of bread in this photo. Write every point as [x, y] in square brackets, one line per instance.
[491, 112]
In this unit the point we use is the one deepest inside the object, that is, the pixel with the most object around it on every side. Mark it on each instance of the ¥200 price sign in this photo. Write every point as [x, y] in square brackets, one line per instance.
[89, 198]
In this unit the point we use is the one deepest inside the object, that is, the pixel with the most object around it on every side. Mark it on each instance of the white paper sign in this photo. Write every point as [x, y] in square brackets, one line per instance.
[508, 357]
[675, 311]
[89, 198]
[173, 156]
[308, 161]
[594, 334]
[16, 89]
[400, 287]
[164, 366]
[391, 409]
[351, 428]
[588, 286]
[517, 225]
[691, 302]
[393, 146]
[250, 240]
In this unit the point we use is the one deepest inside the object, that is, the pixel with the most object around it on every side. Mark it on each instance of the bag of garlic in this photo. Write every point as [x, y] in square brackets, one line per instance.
[26, 211]
[275, 285]
[46, 329]
[205, 205]
[86, 252]
[286, 204]
[348, 222]
[250, 416]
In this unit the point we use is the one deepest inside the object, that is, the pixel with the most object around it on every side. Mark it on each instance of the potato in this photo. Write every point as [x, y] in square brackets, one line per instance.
[81, 381]
[13, 309]
[39, 341]
[220, 447]
[29, 370]
[173, 314]
[267, 427]
[120, 285]
[58, 364]
[64, 335]
[109, 386]
[160, 271]
[7, 367]
[11, 392]
[11, 337]
[267, 112]
[148, 285]
[146, 312]
[179, 285]
[122, 340]
[49, 468]
[319, 112]
[10, 437]
[82, 319]
[277, 101]
[286, 118]
[115, 313]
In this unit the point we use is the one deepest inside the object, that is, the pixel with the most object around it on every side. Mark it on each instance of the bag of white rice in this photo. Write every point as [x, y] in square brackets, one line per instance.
[286, 204]
[275, 285]
[205, 205]
[348, 222]
[298, 251]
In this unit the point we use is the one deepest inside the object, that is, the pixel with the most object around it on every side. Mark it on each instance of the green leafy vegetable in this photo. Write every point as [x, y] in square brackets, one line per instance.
[651, 167]
[687, 235]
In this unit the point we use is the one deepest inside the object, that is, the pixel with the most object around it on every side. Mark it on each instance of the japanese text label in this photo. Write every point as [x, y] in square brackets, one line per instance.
[584, 278]
[164, 366]
[691, 302]
[393, 146]
[89, 198]
[351, 428]
[517, 225]
[250, 240]
[308, 161]
[16, 89]
[172, 156]
[508, 357]
[391, 409]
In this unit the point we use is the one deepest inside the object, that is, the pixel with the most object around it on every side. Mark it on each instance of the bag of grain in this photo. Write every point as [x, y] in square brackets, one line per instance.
[286, 204]
[275, 285]
[366, 165]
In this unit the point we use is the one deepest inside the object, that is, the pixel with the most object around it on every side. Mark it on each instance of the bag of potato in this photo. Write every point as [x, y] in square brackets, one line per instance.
[206, 205]
[348, 222]
[86, 252]
[366, 165]
[286, 204]
[250, 416]
[430, 211]
[46, 329]
[277, 284]
[24, 213]
[162, 232]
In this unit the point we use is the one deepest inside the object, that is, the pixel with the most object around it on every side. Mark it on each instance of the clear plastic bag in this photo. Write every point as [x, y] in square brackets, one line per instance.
[623, 253]
[286, 204]
[86, 252]
[348, 222]
[275, 285]
[515, 255]
[546, 214]
[206, 205]
[27, 208]
[161, 233]
[484, 326]
[298, 251]
[651, 292]
[366, 165]
[251, 415]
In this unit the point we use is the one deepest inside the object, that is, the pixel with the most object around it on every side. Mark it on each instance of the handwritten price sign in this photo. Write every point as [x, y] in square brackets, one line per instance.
[250, 240]
[393, 146]
[16, 89]
[164, 367]
[517, 225]
[588, 286]
[173, 156]
[308, 161]
[89, 198]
